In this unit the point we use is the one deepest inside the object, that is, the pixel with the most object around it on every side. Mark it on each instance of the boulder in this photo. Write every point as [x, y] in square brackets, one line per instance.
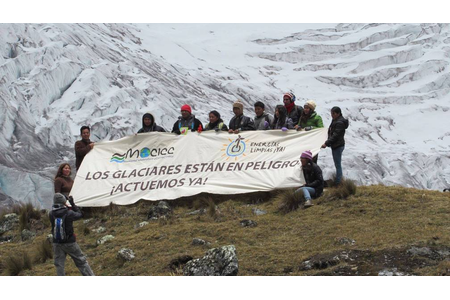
[248, 223]
[142, 224]
[258, 212]
[27, 235]
[160, 210]
[199, 242]
[101, 229]
[8, 222]
[105, 239]
[221, 261]
[345, 241]
[125, 254]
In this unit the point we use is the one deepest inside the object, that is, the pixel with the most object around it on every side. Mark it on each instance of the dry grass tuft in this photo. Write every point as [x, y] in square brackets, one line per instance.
[288, 200]
[17, 263]
[344, 190]
[26, 213]
[43, 251]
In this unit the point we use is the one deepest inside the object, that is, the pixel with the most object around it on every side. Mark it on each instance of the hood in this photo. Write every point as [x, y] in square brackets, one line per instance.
[59, 210]
[341, 119]
[344, 120]
[152, 118]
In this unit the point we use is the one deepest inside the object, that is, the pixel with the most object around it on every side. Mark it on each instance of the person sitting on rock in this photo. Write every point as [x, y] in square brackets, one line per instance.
[312, 173]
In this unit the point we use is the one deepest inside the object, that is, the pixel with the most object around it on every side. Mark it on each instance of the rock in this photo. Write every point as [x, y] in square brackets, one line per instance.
[87, 221]
[142, 224]
[196, 212]
[345, 241]
[216, 262]
[49, 238]
[27, 235]
[424, 251]
[199, 242]
[101, 229]
[6, 239]
[248, 223]
[160, 210]
[126, 254]
[8, 222]
[319, 262]
[390, 272]
[179, 262]
[258, 212]
[105, 239]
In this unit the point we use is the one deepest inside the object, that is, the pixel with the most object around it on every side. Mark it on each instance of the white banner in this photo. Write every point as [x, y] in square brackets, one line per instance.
[156, 166]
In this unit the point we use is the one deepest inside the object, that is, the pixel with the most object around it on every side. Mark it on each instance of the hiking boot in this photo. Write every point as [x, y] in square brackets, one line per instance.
[308, 203]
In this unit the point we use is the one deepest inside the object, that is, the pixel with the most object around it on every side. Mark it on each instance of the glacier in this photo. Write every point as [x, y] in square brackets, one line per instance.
[391, 80]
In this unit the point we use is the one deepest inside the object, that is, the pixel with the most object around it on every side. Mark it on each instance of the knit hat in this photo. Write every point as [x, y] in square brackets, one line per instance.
[59, 199]
[186, 108]
[239, 104]
[290, 95]
[307, 154]
[311, 104]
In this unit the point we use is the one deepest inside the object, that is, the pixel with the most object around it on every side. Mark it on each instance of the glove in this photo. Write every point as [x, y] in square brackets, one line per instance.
[72, 203]
[284, 129]
[309, 128]
[266, 124]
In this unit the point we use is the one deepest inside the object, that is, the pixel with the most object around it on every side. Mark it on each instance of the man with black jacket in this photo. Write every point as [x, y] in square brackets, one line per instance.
[65, 241]
[313, 178]
[84, 146]
[187, 122]
[149, 125]
[240, 122]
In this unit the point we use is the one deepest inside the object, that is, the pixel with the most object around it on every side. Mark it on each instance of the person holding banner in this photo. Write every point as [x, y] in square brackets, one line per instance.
[262, 119]
[313, 187]
[215, 122]
[336, 141]
[282, 120]
[149, 125]
[293, 111]
[240, 122]
[309, 118]
[187, 122]
[83, 147]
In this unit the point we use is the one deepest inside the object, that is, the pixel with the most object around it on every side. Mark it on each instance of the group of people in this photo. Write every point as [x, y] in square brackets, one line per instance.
[286, 117]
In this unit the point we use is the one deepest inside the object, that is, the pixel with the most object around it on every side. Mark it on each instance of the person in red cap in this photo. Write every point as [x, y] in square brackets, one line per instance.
[187, 122]
[294, 112]
[313, 187]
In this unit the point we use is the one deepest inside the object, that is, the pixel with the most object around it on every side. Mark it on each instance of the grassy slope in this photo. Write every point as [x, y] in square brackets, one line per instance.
[377, 217]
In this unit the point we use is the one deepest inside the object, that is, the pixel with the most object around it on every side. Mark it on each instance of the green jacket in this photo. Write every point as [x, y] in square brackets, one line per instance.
[314, 120]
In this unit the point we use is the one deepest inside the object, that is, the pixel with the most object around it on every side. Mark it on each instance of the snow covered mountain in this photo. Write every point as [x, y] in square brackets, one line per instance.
[391, 80]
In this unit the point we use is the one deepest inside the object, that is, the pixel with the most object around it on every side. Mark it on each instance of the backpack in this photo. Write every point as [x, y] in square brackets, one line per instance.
[59, 230]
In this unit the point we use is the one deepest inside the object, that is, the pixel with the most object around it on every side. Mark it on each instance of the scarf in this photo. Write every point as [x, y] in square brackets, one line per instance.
[290, 107]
